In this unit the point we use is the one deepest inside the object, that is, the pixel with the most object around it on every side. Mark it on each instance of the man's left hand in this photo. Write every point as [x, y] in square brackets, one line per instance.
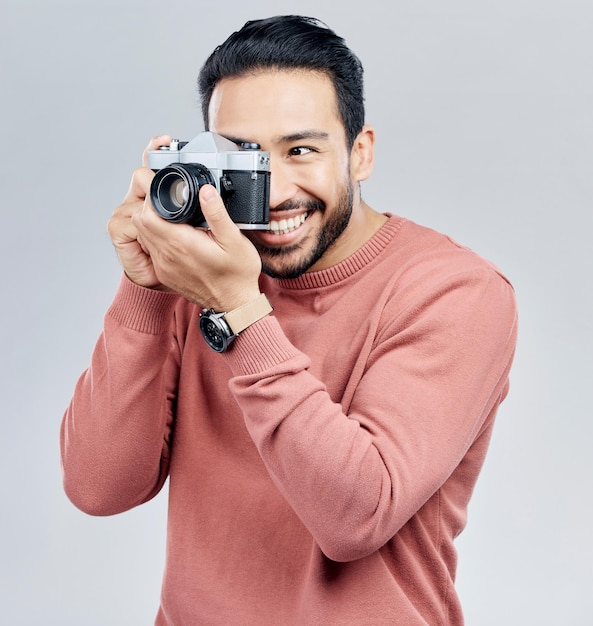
[216, 268]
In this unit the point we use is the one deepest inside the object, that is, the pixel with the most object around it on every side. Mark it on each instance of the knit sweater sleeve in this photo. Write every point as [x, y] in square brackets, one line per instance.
[115, 433]
[435, 369]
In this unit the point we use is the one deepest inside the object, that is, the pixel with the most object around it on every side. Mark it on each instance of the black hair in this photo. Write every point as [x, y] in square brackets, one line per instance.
[290, 42]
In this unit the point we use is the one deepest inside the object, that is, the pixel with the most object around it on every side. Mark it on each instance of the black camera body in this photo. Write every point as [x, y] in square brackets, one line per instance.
[241, 176]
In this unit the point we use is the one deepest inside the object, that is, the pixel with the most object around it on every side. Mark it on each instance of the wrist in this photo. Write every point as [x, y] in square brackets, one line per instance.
[221, 329]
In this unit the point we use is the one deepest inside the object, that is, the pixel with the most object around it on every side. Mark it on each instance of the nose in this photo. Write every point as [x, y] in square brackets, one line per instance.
[282, 186]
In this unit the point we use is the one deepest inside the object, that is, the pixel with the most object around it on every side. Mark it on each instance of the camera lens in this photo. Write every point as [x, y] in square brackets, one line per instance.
[174, 192]
[179, 193]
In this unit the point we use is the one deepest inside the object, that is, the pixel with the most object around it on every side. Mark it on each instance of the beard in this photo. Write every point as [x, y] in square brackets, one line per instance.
[293, 261]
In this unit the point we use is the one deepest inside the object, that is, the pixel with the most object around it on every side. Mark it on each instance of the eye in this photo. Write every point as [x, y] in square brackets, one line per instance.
[300, 151]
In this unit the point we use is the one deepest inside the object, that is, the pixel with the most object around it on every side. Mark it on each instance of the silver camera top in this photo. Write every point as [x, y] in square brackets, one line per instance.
[211, 150]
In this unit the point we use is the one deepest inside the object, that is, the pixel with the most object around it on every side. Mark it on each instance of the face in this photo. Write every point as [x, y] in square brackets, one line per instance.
[294, 116]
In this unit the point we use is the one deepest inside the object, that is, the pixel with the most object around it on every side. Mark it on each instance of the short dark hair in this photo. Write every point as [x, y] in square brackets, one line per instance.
[290, 42]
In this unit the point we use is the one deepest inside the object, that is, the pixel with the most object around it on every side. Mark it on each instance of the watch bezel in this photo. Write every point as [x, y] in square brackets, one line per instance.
[209, 319]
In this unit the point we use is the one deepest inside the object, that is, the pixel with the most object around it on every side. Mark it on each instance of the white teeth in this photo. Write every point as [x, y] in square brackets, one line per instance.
[282, 227]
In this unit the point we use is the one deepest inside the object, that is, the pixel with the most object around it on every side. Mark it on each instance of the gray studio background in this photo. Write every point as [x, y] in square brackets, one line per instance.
[483, 112]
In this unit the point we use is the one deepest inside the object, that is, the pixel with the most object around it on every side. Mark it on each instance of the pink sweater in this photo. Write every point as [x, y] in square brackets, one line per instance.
[321, 469]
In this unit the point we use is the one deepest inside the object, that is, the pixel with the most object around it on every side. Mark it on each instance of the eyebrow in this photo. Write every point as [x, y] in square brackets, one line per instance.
[301, 135]
[290, 138]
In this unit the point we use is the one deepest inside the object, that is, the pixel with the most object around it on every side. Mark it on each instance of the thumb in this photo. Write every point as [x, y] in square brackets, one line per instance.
[219, 221]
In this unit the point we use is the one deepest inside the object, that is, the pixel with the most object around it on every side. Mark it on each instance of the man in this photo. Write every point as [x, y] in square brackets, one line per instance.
[321, 466]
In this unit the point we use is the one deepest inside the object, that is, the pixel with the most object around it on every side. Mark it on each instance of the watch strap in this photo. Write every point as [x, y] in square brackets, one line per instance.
[241, 318]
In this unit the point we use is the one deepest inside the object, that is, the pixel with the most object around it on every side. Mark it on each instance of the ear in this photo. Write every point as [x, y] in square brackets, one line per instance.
[363, 154]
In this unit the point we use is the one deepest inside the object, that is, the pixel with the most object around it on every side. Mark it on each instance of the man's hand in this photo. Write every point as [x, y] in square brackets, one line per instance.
[217, 268]
[134, 258]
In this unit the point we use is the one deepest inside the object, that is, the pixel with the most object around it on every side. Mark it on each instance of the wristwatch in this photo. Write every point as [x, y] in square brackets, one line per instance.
[221, 329]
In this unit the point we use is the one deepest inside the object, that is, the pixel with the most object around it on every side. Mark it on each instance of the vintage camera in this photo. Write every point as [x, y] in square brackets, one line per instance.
[241, 176]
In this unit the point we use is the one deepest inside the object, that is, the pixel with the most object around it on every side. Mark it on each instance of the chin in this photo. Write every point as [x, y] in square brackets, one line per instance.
[285, 270]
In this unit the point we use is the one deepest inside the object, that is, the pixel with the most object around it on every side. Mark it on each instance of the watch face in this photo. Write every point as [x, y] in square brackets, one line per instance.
[215, 333]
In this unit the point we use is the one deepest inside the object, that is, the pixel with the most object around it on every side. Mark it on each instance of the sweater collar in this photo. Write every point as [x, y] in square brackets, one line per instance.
[354, 263]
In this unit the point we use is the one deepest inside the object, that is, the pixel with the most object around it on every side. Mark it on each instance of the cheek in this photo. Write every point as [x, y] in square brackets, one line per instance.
[327, 181]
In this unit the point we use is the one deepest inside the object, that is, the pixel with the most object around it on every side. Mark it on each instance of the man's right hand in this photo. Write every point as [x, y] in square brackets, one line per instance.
[134, 258]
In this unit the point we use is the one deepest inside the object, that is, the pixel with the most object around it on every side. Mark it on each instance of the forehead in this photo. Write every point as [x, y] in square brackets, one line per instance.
[274, 102]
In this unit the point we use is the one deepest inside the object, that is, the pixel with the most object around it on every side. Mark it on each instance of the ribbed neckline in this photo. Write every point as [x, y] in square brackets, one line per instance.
[354, 263]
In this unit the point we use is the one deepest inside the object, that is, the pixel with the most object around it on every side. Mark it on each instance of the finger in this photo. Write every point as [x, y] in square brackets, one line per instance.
[120, 226]
[153, 227]
[139, 185]
[154, 144]
[221, 225]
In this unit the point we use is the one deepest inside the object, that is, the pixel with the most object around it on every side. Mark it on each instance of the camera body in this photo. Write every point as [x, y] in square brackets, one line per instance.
[241, 176]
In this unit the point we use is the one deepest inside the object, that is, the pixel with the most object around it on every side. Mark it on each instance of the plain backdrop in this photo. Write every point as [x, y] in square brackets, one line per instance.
[483, 112]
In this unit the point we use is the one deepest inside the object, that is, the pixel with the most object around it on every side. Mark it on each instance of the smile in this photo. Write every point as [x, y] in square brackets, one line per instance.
[281, 227]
